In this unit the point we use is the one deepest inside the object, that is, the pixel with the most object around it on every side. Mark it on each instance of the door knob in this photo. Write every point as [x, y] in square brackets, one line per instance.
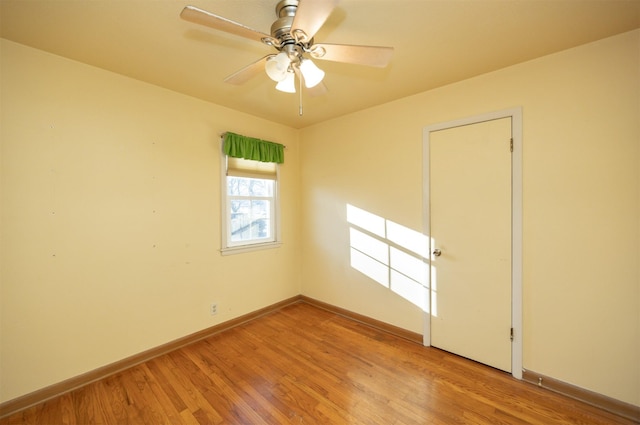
[437, 252]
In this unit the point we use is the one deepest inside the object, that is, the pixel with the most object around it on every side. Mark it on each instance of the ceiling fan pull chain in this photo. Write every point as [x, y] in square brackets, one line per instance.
[300, 98]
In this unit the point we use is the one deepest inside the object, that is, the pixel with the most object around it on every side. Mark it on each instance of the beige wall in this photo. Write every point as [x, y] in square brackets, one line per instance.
[110, 219]
[581, 156]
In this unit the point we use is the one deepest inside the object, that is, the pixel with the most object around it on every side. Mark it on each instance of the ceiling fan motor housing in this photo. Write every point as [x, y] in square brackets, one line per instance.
[281, 28]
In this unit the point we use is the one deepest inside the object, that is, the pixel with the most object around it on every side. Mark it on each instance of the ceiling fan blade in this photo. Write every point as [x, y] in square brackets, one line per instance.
[377, 56]
[202, 17]
[311, 15]
[248, 72]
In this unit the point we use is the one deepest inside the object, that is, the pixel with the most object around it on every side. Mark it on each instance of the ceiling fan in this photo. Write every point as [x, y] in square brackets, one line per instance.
[292, 37]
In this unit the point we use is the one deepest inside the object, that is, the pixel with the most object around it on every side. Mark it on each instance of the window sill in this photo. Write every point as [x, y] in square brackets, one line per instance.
[248, 248]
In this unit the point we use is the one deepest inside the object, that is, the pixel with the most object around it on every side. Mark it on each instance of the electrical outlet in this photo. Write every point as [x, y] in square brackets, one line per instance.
[213, 309]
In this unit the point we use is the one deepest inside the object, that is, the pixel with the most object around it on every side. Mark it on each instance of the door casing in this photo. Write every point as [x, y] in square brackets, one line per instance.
[516, 222]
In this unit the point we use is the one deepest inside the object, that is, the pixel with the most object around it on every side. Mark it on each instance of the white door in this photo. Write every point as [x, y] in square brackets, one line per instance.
[470, 214]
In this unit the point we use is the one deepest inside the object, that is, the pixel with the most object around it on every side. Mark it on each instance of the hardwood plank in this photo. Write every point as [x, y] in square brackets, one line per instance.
[111, 401]
[248, 384]
[164, 391]
[306, 365]
[83, 409]
[196, 405]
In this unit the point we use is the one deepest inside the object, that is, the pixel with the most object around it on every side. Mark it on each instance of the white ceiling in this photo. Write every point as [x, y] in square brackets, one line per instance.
[436, 42]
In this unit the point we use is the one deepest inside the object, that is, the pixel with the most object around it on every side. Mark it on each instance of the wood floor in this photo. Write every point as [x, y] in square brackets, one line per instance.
[304, 365]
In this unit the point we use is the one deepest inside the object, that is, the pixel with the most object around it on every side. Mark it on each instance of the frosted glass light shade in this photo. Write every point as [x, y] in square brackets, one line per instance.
[311, 73]
[288, 85]
[276, 66]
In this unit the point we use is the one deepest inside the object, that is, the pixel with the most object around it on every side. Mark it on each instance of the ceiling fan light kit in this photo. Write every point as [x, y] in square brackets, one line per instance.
[288, 85]
[311, 73]
[297, 21]
[277, 66]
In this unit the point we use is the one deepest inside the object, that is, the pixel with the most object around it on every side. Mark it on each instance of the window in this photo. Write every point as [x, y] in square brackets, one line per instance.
[250, 204]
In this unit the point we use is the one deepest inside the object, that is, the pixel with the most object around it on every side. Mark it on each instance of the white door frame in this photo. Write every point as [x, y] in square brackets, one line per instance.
[516, 222]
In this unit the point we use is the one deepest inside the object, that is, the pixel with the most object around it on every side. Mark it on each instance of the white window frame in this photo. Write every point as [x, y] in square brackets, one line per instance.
[227, 246]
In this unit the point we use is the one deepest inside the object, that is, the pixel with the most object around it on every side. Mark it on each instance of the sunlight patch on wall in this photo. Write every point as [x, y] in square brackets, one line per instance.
[366, 265]
[374, 248]
[414, 241]
[366, 221]
[390, 254]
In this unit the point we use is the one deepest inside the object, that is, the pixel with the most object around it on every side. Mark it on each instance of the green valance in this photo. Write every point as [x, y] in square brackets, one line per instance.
[245, 147]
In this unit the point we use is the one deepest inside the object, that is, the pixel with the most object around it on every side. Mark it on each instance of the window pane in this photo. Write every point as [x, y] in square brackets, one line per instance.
[240, 219]
[261, 213]
[243, 186]
[237, 186]
[250, 220]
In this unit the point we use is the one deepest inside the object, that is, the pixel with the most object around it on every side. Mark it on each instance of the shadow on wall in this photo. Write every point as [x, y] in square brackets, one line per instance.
[392, 255]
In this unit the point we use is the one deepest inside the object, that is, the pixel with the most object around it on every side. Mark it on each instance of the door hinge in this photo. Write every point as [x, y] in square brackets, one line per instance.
[511, 145]
[511, 334]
